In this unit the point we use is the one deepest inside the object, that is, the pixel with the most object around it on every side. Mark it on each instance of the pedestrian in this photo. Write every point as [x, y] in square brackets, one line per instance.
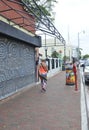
[75, 74]
[43, 70]
[74, 67]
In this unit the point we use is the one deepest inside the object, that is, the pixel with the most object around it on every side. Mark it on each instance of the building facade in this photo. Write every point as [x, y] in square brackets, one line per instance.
[51, 44]
[17, 48]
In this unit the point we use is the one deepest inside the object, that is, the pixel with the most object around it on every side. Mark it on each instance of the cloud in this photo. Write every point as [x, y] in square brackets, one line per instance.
[72, 14]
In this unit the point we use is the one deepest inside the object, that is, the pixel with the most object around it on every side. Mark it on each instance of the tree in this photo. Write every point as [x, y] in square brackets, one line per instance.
[86, 56]
[55, 54]
[79, 52]
[65, 58]
[45, 5]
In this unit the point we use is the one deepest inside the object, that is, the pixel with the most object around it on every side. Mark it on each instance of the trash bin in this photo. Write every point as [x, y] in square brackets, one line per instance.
[63, 67]
[70, 77]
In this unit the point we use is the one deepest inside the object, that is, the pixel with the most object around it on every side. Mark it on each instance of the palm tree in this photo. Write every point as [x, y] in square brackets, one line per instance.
[79, 52]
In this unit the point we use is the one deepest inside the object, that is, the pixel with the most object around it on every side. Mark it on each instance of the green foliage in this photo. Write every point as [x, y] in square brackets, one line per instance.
[80, 49]
[45, 5]
[55, 54]
[45, 10]
[86, 56]
[65, 58]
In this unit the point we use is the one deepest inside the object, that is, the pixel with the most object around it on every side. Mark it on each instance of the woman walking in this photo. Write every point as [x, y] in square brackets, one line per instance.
[43, 69]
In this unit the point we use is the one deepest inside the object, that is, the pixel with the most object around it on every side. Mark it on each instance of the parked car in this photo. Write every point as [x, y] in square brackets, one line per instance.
[81, 63]
[86, 71]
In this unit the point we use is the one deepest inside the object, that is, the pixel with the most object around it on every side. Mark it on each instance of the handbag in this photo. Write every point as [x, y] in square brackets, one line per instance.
[43, 76]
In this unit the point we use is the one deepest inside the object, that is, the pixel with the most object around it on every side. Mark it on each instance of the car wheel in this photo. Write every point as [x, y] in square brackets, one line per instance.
[85, 82]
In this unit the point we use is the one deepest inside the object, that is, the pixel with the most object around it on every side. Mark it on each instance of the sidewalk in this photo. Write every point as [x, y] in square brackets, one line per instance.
[56, 109]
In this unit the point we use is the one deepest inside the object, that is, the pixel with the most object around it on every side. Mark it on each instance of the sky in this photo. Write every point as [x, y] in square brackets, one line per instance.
[71, 18]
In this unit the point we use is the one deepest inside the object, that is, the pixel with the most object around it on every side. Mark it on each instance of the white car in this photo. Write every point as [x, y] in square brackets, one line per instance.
[81, 63]
[86, 71]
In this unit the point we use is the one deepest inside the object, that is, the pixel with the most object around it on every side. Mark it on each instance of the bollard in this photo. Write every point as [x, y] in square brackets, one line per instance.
[75, 73]
[76, 87]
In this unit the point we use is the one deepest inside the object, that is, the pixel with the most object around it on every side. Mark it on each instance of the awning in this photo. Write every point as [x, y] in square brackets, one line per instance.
[16, 13]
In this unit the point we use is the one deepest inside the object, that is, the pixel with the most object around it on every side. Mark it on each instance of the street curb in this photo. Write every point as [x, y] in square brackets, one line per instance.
[84, 111]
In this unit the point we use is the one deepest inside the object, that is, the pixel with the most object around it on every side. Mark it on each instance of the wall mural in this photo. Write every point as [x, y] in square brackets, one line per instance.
[17, 64]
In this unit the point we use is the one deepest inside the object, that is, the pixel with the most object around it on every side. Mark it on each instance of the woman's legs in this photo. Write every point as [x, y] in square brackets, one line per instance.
[44, 85]
[44, 82]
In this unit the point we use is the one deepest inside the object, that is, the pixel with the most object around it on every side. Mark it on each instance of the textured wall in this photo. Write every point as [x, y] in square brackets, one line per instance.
[17, 65]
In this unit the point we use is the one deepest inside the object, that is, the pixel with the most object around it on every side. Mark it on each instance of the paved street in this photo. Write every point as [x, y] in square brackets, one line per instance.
[56, 109]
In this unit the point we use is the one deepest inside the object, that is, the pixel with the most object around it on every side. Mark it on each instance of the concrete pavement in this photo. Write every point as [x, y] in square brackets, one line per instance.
[56, 109]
